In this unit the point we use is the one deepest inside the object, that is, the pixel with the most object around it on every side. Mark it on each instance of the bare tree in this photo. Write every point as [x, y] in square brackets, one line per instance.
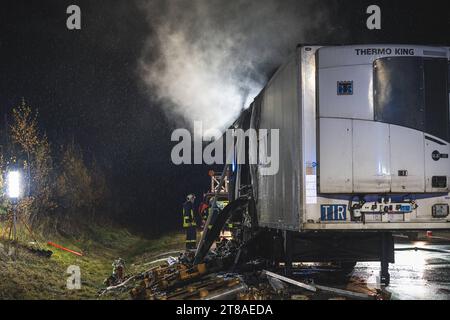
[39, 164]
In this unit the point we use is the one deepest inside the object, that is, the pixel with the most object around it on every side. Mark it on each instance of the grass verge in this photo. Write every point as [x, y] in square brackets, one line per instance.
[26, 275]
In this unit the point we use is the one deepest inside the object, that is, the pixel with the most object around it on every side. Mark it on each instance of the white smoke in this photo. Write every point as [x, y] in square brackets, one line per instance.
[206, 59]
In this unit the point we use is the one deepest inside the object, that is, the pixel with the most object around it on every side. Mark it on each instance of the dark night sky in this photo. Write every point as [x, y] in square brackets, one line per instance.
[85, 85]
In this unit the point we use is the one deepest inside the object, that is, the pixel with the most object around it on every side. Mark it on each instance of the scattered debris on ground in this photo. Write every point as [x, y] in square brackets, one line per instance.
[118, 274]
[179, 279]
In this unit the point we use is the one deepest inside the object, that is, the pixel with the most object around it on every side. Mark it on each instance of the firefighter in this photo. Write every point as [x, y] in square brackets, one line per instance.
[203, 211]
[212, 211]
[215, 207]
[189, 222]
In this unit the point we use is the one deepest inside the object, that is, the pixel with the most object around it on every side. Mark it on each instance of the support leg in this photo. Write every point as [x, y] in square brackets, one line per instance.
[387, 255]
[385, 277]
[287, 253]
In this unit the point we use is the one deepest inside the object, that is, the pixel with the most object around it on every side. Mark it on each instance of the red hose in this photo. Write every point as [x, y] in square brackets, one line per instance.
[65, 249]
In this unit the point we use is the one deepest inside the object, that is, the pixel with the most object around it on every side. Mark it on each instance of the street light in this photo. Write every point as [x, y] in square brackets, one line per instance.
[13, 184]
[13, 191]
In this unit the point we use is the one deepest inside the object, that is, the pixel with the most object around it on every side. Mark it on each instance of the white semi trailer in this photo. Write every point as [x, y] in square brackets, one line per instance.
[364, 152]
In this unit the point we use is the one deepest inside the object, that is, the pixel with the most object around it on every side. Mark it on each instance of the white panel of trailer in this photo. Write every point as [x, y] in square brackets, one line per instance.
[335, 161]
[358, 105]
[371, 163]
[407, 150]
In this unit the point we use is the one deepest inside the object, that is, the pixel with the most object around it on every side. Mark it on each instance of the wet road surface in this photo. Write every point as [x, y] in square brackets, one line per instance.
[415, 275]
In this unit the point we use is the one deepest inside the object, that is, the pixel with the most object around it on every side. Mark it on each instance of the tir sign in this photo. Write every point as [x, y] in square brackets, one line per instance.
[333, 212]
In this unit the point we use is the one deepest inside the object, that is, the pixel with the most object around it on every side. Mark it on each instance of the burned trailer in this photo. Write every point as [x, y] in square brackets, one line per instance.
[363, 152]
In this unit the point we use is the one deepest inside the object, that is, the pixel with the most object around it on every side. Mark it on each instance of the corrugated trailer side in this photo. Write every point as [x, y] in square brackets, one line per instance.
[278, 197]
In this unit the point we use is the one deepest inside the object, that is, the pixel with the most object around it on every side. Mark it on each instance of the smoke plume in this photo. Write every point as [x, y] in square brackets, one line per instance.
[207, 59]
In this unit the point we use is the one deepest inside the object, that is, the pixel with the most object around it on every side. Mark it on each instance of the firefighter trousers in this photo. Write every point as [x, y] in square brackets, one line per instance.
[191, 238]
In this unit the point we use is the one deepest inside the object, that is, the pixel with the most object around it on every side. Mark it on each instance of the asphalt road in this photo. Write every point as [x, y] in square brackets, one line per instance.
[415, 275]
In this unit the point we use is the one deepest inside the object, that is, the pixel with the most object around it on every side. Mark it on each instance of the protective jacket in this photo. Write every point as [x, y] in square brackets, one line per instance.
[188, 215]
